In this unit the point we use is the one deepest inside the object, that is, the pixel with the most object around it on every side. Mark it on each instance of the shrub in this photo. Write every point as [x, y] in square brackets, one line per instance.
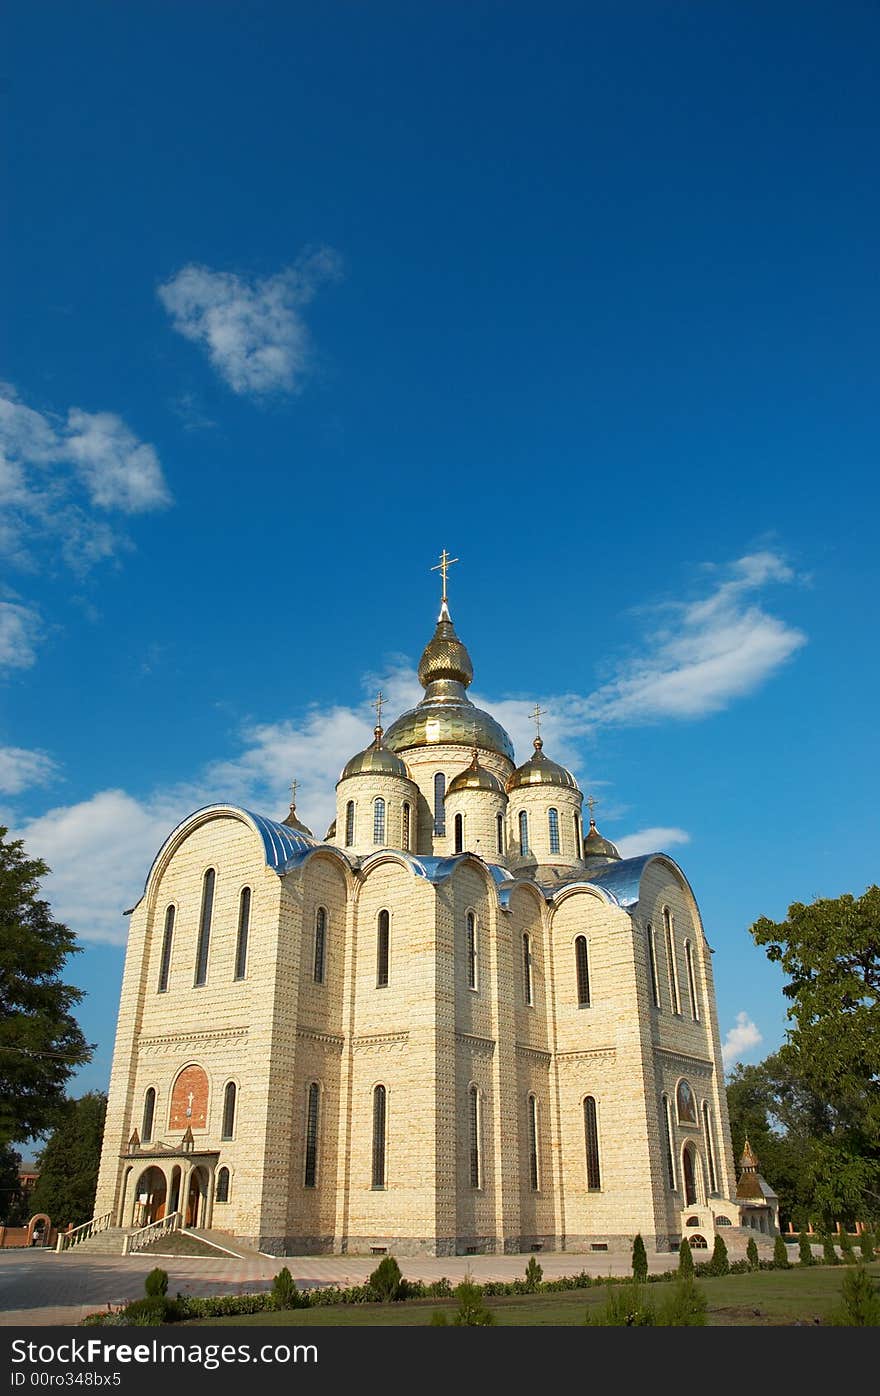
[752, 1254]
[639, 1260]
[805, 1250]
[387, 1280]
[866, 1246]
[685, 1258]
[440, 1289]
[149, 1312]
[684, 1308]
[534, 1276]
[626, 1306]
[471, 1311]
[780, 1255]
[156, 1283]
[285, 1292]
[719, 1264]
[861, 1302]
[439, 1319]
[829, 1254]
[846, 1248]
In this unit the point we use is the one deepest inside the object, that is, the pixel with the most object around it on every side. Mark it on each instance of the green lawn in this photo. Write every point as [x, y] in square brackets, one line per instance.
[770, 1297]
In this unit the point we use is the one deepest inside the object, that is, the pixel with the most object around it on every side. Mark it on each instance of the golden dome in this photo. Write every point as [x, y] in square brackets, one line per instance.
[376, 760]
[475, 777]
[597, 847]
[540, 770]
[444, 656]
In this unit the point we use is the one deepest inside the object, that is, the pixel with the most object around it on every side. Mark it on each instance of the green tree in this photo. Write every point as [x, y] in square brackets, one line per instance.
[69, 1163]
[780, 1255]
[805, 1250]
[847, 1253]
[685, 1258]
[41, 1044]
[720, 1262]
[534, 1275]
[11, 1201]
[471, 1311]
[861, 1302]
[830, 951]
[866, 1246]
[829, 1254]
[387, 1280]
[752, 1254]
[639, 1259]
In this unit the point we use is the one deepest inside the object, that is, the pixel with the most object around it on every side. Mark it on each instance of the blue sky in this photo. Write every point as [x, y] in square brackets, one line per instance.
[295, 296]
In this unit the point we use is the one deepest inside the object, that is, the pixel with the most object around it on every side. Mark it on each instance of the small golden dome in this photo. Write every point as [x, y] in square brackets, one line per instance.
[597, 847]
[475, 777]
[376, 760]
[444, 656]
[540, 770]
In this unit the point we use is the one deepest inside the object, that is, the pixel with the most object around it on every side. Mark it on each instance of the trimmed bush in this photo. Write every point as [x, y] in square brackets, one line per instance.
[685, 1258]
[286, 1293]
[805, 1250]
[156, 1283]
[149, 1312]
[387, 1280]
[534, 1276]
[866, 1246]
[829, 1253]
[848, 1255]
[627, 1306]
[861, 1302]
[752, 1254]
[471, 1311]
[684, 1308]
[719, 1264]
[639, 1260]
[780, 1255]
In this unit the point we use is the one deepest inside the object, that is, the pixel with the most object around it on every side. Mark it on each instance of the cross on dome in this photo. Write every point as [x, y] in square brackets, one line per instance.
[443, 567]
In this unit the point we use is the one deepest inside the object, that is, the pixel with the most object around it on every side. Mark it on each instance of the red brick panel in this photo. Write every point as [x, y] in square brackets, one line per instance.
[189, 1100]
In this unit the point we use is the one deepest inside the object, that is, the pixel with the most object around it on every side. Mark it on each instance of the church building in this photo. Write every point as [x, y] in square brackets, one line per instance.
[460, 1023]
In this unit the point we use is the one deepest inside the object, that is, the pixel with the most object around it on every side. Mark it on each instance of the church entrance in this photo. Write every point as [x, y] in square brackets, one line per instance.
[197, 1199]
[149, 1197]
[690, 1182]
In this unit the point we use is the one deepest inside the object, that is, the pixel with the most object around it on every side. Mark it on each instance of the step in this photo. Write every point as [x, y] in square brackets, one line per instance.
[108, 1242]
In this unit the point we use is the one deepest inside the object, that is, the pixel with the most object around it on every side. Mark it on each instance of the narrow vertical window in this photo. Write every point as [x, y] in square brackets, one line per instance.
[244, 921]
[527, 968]
[459, 833]
[652, 964]
[591, 1137]
[582, 965]
[474, 1125]
[382, 948]
[149, 1113]
[167, 938]
[405, 833]
[379, 821]
[439, 807]
[379, 1103]
[320, 945]
[692, 983]
[577, 836]
[523, 832]
[534, 1177]
[710, 1146]
[222, 1193]
[499, 834]
[311, 1172]
[229, 1095]
[667, 1139]
[553, 824]
[471, 949]
[349, 824]
[205, 927]
[670, 959]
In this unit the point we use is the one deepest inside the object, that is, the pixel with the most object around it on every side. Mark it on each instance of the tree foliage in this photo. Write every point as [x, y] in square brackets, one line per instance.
[639, 1259]
[40, 1041]
[11, 1202]
[685, 1259]
[65, 1189]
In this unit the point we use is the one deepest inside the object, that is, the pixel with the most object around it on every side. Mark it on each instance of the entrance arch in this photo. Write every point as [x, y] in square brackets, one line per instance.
[689, 1170]
[196, 1211]
[149, 1197]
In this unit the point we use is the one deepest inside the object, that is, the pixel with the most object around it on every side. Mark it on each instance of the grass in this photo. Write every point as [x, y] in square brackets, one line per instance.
[180, 1243]
[766, 1298]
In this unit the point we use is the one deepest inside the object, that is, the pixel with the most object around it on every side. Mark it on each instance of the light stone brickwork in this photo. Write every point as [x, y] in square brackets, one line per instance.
[517, 1032]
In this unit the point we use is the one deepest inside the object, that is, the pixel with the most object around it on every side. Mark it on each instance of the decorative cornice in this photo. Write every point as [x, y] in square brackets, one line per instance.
[701, 1064]
[476, 1044]
[535, 1053]
[607, 1053]
[378, 1042]
[333, 1039]
[170, 1041]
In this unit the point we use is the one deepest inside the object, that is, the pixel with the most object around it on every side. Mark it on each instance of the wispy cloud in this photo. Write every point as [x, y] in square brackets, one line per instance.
[19, 633]
[741, 1040]
[252, 329]
[654, 840]
[21, 769]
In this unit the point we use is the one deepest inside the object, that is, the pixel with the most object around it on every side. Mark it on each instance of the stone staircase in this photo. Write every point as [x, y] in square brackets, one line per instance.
[108, 1242]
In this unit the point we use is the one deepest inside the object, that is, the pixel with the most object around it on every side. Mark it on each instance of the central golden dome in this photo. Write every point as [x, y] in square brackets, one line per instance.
[446, 716]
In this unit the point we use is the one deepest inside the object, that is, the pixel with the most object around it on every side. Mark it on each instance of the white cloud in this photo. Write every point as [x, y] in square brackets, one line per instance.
[654, 840]
[21, 769]
[740, 1040]
[19, 631]
[252, 329]
[118, 471]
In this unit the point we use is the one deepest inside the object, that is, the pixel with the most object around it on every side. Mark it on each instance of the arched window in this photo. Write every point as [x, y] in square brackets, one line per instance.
[228, 1130]
[205, 928]
[471, 949]
[532, 1116]
[499, 834]
[652, 965]
[685, 1104]
[379, 820]
[244, 921]
[577, 835]
[320, 945]
[311, 1171]
[591, 1137]
[222, 1191]
[379, 1110]
[527, 968]
[439, 807]
[165, 961]
[383, 936]
[582, 969]
[692, 984]
[710, 1147]
[459, 833]
[670, 961]
[474, 1123]
[405, 833]
[667, 1139]
[690, 1181]
[553, 823]
[149, 1113]
[523, 832]
[349, 824]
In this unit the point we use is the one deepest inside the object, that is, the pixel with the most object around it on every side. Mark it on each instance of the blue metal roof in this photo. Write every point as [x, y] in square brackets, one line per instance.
[280, 842]
[621, 879]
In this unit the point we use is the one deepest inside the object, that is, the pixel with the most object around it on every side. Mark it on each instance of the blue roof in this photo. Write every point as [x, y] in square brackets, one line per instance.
[280, 842]
[621, 879]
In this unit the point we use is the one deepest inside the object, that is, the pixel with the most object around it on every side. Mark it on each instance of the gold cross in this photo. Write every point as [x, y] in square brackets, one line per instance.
[378, 703]
[536, 718]
[293, 786]
[443, 567]
[592, 802]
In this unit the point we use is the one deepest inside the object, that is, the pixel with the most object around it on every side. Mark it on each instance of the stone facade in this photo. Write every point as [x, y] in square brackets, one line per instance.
[339, 1047]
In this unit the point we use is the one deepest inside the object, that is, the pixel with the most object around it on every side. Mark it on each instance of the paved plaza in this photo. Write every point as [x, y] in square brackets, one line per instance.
[40, 1287]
